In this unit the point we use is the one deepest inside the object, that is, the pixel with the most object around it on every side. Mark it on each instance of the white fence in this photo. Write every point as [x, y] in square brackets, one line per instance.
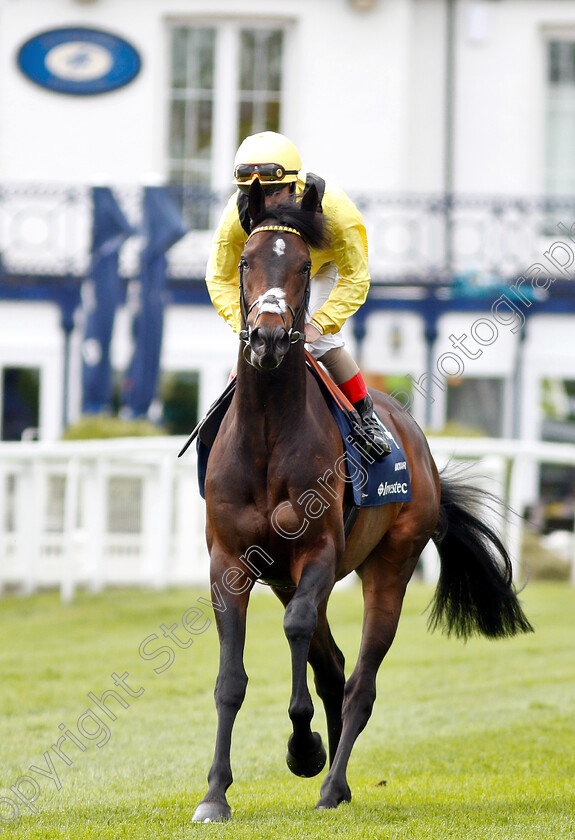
[94, 513]
[128, 511]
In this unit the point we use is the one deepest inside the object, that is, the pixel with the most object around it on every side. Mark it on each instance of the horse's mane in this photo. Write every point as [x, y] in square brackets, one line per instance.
[312, 226]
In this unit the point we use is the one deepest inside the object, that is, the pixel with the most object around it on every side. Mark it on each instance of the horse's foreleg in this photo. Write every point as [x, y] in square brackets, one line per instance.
[328, 663]
[306, 754]
[383, 597]
[230, 613]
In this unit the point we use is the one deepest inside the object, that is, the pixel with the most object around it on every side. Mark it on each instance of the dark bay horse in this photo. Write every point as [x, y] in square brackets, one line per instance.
[273, 463]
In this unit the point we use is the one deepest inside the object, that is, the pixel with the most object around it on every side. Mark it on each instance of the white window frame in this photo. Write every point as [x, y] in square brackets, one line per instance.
[550, 35]
[225, 115]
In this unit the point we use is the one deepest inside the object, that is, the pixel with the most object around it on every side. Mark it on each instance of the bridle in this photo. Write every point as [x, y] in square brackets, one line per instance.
[270, 299]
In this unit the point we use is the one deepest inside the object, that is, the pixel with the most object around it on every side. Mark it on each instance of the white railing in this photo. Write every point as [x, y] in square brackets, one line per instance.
[45, 229]
[128, 511]
[509, 469]
[96, 513]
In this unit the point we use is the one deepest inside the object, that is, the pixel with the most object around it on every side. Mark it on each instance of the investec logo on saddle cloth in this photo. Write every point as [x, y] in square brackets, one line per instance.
[386, 489]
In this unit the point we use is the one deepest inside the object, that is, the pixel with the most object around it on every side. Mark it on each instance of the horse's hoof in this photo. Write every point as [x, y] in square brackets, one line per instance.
[333, 799]
[208, 812]
[330, 806]
[310, 764]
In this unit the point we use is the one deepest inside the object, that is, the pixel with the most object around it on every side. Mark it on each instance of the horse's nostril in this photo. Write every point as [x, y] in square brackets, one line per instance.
[281, 340]
[257, 342]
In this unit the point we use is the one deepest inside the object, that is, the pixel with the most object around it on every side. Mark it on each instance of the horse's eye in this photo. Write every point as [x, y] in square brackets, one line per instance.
[306, 268]
[244, 264]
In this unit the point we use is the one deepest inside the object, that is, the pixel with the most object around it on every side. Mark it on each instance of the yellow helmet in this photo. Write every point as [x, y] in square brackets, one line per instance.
[270, 157]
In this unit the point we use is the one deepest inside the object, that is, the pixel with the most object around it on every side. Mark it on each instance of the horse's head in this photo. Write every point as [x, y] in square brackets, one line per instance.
[274, 274]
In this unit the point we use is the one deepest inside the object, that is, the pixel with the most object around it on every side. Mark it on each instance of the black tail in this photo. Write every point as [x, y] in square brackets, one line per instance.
[475, 592]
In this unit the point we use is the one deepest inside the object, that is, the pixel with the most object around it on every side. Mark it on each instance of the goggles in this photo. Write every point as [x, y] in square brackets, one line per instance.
[265, 172]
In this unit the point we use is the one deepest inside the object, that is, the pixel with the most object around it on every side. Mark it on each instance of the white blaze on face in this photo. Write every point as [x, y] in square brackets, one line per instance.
[272, 301]
[279, 247]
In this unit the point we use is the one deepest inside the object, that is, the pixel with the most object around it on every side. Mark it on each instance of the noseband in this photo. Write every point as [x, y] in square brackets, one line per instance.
[273, 300]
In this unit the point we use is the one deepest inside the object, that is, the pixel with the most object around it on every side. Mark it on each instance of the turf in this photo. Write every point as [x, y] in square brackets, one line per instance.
[467, 741]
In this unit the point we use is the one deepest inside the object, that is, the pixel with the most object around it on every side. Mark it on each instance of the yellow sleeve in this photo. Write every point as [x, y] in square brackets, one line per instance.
[222, 275]
[349, 251]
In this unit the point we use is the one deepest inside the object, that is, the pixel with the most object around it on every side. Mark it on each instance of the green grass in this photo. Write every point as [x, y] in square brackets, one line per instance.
[466, 741]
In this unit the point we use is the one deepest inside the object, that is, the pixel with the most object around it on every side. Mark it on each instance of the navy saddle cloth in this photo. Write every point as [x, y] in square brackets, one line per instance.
[371, 482]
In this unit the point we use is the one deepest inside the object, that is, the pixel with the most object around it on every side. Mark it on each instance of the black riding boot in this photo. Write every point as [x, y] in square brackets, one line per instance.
[377, 444]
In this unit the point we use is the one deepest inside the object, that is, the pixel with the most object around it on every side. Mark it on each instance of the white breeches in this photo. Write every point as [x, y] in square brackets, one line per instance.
[321, 285]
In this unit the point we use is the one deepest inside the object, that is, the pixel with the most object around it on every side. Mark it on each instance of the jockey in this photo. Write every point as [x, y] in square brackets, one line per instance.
[340, 276]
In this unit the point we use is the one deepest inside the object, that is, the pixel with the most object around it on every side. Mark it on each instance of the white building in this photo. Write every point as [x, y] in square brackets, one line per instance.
[392, 99]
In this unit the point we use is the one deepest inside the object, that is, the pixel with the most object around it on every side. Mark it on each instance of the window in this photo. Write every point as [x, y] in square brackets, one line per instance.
[191, 113]
[225, 83]
[476, 403]
[560, 122]
[558, 409]
[180, 390]
[19, 402]
[260, 81]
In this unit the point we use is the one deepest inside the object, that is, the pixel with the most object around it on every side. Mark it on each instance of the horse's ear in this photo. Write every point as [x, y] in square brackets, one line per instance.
[310, 200]
[256, 199]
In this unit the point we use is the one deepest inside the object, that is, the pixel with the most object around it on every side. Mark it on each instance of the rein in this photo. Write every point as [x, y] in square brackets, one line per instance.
[270, 298]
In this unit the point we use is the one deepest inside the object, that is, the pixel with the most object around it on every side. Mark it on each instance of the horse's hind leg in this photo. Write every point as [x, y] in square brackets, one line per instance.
[384, 586]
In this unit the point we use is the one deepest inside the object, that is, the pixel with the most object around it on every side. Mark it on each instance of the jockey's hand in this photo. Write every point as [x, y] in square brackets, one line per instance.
[311, 333]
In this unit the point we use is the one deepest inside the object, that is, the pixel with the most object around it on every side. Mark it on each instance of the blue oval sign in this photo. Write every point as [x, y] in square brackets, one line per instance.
[79, 61]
